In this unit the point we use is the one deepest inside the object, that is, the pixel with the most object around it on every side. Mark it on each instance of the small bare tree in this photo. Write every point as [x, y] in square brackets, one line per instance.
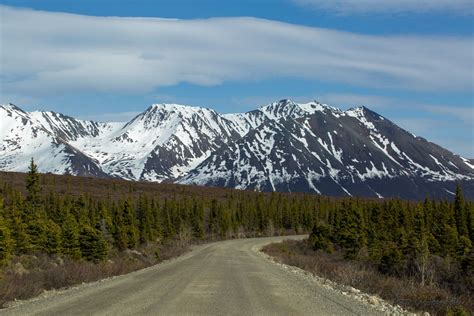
[422, 261]
[184, 236]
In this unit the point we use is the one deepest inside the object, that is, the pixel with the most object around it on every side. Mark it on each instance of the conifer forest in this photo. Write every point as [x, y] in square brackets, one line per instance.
[89, 219]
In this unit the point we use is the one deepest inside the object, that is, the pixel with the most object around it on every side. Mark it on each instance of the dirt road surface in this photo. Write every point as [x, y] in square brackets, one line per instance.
[222, 278]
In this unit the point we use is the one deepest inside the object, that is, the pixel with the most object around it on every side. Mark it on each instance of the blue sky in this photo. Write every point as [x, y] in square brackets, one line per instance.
[411, 61]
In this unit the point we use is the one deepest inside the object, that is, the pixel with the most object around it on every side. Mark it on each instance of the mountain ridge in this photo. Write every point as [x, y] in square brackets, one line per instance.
[282, 146]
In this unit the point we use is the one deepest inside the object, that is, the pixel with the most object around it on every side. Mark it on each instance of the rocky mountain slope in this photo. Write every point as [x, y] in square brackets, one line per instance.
[284, 146]
[44, 136]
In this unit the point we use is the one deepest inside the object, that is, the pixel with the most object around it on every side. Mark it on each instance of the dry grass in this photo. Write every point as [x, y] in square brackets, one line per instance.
[29, 275]
[404, 292]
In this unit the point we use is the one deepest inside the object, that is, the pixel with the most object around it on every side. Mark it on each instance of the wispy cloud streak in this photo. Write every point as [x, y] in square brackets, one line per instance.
[45, 53]
[355, 7]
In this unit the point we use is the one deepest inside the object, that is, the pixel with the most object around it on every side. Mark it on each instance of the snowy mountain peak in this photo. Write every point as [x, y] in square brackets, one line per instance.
[283, 146]
[174, 107]
[286, 108]
[315, 106]
[171, 115]
[357, 111]
[22, 137]
[67, 127]
[9, 107]
[179, 109]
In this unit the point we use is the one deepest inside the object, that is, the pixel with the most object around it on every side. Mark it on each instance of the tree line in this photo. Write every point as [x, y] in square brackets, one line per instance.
[397, 236]
[430, 241]
[90, 228]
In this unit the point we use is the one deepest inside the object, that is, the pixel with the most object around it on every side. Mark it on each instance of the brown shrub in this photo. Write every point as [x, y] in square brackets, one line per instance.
[407, 293]
[42, 272]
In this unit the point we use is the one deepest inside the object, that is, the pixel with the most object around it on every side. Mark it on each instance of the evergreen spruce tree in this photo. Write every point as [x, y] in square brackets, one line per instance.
[464, 246]
[70, 237]
[130, 224]
[213, 221]
[449, 241]
[166, 219]
[320, 237]
[19, 233]
[460, 213]
[224, 221]
[93, 244]
[198, 219]
[53, 238]
[37, 231]
[33, 187]
[392, 259]
[351, 233]
[36, 217]
[470, 220]
[145, 220]
[157, 220]
[6, 242]
[119, 229]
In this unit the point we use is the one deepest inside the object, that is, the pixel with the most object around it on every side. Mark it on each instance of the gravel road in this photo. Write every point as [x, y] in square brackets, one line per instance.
[222, 278]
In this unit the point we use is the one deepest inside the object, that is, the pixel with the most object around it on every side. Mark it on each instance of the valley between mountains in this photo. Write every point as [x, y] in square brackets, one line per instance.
[284, 146]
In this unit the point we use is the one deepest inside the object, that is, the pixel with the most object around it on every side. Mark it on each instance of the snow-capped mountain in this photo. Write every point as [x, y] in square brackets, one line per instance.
[316, 148]
[283, 146]
[162, 143]
[25, 135]
[68, 128]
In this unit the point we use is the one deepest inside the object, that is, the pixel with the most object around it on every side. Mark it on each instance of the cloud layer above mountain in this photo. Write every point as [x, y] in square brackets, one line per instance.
[47, 53]
[350, 7]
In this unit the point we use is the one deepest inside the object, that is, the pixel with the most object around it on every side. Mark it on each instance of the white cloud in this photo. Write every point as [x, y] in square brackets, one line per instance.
[45, 53]
[349, 7]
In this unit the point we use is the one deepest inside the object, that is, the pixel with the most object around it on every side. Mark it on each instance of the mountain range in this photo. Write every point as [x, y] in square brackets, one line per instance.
[284, 146]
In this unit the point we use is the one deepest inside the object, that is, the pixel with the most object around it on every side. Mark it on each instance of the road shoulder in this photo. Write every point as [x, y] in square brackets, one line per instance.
[372, 301]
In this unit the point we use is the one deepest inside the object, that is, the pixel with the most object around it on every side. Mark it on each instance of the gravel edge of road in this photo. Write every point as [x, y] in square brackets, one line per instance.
[50, 294]
[372, 301]
[366, 299]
